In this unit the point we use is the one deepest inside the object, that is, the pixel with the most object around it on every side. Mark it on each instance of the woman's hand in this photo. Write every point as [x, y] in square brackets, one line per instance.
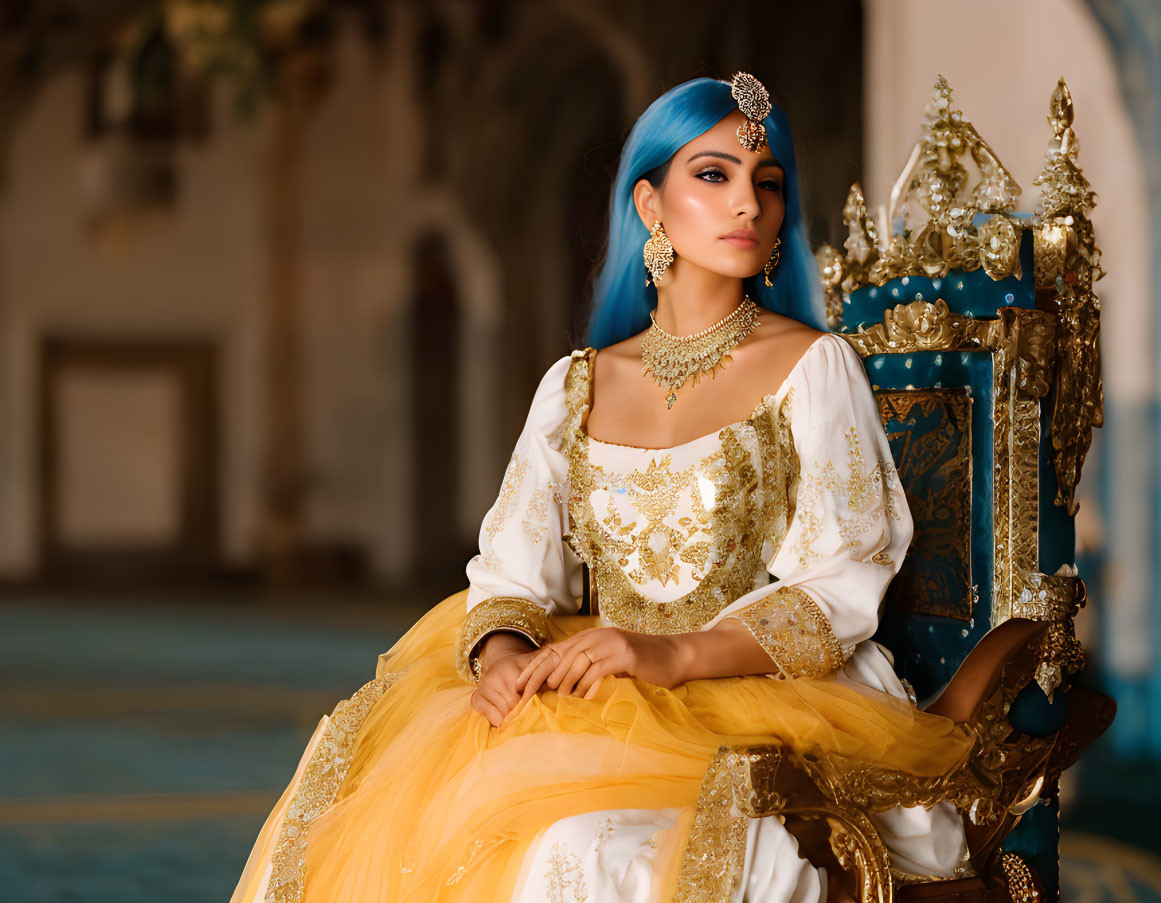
[502, 659]
[577, 665]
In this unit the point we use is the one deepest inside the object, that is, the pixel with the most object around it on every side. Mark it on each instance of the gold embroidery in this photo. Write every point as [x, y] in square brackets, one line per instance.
[794, 631]
[733, 492]
[715, 852]
[479, 847]
[536, 522]
[500, 613]
[780, 469]
[318, 788]
[605, 830]
[653, 495]
[565, 876]
[868, 494]
[514, 476]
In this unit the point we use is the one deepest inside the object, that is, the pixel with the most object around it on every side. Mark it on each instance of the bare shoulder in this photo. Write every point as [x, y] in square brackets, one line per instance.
[619, 360]
[777, 344]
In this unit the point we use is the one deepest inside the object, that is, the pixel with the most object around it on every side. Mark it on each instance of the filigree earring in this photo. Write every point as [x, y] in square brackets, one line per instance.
[658, 252]
[775, 255]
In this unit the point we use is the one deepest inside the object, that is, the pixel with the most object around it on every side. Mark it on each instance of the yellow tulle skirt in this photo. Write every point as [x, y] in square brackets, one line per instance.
[405, 793]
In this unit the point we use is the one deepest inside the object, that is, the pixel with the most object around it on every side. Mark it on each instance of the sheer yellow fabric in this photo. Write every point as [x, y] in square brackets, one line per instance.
[437, 805]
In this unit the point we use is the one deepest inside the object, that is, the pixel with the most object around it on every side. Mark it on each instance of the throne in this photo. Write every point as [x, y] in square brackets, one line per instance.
[979, 332]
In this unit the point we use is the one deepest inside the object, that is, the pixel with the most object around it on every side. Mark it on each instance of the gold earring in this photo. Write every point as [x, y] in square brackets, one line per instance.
[658, 252]
[775, 255]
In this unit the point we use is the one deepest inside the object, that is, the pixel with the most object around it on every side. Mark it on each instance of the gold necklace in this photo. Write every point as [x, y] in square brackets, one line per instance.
[673, 359]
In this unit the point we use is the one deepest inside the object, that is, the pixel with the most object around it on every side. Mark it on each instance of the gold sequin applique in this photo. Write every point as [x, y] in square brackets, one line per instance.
[499, 613]
[794, 632]
[318, 788]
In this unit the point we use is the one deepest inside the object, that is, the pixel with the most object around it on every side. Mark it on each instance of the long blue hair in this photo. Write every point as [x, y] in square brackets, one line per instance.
[621, 300]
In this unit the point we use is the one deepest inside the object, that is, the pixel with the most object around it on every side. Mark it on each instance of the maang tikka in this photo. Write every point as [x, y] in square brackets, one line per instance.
[658, 252]
[754, 101]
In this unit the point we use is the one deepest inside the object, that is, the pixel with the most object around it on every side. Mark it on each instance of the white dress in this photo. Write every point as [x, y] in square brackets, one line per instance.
[792, 521]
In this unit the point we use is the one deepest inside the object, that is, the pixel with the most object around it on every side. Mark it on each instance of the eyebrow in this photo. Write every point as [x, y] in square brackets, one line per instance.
[769, 161]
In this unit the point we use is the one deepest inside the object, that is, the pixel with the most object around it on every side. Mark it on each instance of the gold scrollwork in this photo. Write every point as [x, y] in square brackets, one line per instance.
[1067, 264]
[860, 850]
[923, 326]
[742, 784]
[1022, 357]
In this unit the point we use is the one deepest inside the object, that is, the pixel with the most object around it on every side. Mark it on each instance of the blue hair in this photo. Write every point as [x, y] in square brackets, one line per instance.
[621, 300]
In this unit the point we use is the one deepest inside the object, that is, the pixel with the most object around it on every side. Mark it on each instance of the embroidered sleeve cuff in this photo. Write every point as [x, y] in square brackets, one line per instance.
[794, 632]
[500, 613]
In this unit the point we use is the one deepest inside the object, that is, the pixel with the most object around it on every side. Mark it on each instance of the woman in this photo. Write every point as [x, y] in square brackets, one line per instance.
[739, 531]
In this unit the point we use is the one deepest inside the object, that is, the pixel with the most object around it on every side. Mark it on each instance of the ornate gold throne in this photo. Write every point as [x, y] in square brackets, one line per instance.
[979, 331]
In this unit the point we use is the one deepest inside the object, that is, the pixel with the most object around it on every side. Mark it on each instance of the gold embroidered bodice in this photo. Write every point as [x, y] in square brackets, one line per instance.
[676, 539]
[673, 536]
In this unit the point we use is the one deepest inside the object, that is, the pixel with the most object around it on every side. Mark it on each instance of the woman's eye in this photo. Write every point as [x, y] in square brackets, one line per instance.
[716, 175]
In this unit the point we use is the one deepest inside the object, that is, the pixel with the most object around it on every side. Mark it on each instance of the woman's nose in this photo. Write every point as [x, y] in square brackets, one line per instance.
[746, 202]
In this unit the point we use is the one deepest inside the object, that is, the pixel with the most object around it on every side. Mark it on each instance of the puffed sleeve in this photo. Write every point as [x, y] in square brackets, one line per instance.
[850, 528]
[525, 571]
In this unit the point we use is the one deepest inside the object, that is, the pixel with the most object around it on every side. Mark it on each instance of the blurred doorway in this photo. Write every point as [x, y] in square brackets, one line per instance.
[129, 471]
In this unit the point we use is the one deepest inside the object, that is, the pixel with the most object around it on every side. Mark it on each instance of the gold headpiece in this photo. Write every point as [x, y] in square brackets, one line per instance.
[754, 102]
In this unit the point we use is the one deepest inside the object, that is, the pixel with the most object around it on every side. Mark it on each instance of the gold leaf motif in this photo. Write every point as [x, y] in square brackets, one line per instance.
[536, 516]
[869, 497]
[502, 511]
[565, 876]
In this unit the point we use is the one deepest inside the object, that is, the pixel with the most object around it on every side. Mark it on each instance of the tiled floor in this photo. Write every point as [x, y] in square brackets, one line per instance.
[142, 745]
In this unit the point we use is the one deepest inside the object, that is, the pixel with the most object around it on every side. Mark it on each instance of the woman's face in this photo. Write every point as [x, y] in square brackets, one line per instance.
[721, 205]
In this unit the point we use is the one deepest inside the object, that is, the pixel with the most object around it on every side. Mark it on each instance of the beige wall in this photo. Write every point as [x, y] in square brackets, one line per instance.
[197, 270]
[192, 273]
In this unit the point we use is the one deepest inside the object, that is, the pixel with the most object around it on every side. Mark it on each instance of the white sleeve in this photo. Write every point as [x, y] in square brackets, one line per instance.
[850, 528]
[525, 571]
